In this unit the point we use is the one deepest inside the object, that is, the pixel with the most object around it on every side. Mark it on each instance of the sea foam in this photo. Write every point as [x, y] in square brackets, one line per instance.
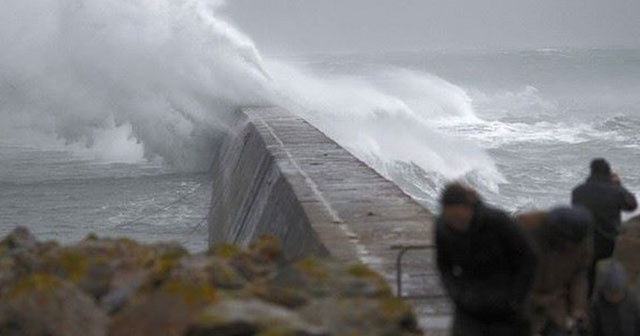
[163, 78]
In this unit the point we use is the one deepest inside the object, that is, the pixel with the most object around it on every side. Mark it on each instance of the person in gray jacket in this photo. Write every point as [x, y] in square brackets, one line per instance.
[614, 311]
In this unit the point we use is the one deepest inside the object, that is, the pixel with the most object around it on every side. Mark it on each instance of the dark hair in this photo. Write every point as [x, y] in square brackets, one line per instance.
[567, 226]
[600, 167]
[458, 194]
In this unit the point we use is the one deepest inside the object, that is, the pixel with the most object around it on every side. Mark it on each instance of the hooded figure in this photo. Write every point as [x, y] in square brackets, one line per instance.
[605, 197]
[559, 294]
[615, 310]
[486, 263]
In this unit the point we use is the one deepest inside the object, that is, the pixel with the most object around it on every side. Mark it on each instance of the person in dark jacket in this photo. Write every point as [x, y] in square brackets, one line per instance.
[614, 311]
[487, 265]
[605, 197]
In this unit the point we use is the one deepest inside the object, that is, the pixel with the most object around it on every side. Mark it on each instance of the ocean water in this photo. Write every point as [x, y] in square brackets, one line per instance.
[540, 115]
[62, 194]
[110, 113]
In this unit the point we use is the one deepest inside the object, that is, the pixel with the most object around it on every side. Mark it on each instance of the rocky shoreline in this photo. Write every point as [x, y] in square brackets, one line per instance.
[122, 287]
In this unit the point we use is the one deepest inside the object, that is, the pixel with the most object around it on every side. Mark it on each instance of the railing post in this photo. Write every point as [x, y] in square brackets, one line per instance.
[402, 251]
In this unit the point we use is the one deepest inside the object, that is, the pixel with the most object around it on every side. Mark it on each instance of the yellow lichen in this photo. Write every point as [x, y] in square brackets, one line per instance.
[163, 266]
[267, 247]
[71, 265]
[393, 309]
[276, 332]
[361, 271]
[190, 292]
[207, 318]
[92, 236]
[33, 283]
[313, 268]
[224, 275]
[282, 296]
[226, 251]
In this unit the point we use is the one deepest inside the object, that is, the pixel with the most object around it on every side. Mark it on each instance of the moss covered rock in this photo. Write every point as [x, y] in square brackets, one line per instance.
[42, 304]
[250, 317]
[122, 287]
[321, 278]
[167, 311]
[20, 239]
[361, 316]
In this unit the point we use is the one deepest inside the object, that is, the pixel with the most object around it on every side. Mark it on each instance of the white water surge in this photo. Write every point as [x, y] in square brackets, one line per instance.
[144, 79]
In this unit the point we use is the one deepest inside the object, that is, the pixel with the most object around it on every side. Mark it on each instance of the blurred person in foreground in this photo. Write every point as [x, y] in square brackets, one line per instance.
[614, 311]
[605, 197]
[559, 297]
[486, 264]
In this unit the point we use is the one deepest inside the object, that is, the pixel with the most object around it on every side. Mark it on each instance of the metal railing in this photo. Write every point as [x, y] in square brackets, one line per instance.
[402, 251]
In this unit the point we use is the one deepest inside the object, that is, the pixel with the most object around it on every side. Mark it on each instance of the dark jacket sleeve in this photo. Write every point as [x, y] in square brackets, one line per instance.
[523, 257]
[575, 197]
[445, 267]
[628, 200]
[578, 198]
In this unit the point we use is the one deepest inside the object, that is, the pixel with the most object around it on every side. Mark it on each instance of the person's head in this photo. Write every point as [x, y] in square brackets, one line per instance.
[566, 227]
[458, 206]
[612, 281]
[600, 167]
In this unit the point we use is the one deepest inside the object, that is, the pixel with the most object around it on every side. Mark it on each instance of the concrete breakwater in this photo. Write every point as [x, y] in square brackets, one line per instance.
[276, 174]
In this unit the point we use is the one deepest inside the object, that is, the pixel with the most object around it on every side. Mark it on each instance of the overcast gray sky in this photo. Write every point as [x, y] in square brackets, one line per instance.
[294, 26]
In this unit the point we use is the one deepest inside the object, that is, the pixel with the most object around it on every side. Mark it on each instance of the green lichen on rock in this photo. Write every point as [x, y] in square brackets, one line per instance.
[122, 287]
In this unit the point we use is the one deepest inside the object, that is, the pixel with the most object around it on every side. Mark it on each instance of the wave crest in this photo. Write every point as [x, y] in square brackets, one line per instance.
[173, 72]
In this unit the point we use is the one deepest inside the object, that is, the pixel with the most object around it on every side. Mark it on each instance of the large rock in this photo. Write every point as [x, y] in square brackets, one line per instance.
[121, 287]
[18, 255]
[321, 278]
[167, 311]
[110, 270]
[41, 304]
[360, 316]
[20, 239]
[250, 317]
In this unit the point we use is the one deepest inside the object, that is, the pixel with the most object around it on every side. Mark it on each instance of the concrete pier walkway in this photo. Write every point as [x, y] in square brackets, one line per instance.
[277, 174]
